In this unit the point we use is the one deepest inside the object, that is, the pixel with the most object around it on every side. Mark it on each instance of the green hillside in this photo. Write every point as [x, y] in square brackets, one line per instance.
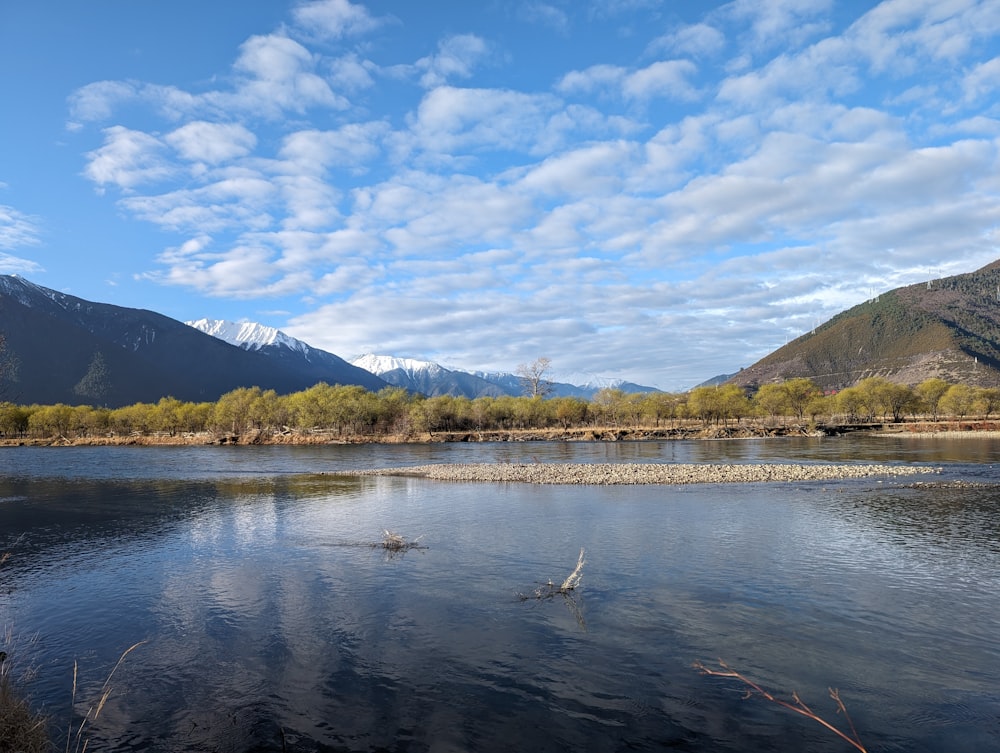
[947, 328]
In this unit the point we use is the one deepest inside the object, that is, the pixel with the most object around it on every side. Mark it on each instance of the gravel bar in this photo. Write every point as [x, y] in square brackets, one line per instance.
[644, 473]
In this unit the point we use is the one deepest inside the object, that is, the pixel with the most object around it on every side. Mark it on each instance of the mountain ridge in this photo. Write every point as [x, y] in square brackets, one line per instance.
[947, 328]
[64, 349]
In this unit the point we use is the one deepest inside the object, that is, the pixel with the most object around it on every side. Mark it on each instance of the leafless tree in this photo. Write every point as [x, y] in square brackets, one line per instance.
[533, 377]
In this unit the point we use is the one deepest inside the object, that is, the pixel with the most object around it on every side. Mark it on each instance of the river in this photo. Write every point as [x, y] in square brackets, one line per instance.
[268, 621]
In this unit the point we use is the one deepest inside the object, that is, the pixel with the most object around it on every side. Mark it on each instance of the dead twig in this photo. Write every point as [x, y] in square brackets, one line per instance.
[796, 704]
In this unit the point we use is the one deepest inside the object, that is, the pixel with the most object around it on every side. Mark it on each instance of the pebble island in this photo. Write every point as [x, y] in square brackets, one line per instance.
[646, 473]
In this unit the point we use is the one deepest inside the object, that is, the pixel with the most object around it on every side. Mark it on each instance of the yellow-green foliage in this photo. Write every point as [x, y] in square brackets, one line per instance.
[351, 411]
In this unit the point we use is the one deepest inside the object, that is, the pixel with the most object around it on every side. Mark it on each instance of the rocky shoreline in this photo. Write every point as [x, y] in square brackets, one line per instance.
[604, 474]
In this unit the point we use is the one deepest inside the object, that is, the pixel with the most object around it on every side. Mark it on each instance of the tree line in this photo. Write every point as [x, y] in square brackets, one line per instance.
[349, 411]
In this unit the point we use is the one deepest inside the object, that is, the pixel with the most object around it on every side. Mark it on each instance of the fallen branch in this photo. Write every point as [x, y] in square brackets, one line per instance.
[796, 704]
[549, 589]
[395, 543]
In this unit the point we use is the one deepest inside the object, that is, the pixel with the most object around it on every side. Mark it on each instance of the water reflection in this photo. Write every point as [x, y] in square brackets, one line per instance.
[270, 625]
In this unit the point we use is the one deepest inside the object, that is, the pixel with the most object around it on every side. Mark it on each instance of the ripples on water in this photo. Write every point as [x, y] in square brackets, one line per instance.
[271, 623]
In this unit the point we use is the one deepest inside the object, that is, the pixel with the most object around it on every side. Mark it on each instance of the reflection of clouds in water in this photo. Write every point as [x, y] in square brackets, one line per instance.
[255, 521]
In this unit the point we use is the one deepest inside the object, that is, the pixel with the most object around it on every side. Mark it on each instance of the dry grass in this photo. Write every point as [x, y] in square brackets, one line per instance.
[22, 729]
[75, 741]
[796, 705]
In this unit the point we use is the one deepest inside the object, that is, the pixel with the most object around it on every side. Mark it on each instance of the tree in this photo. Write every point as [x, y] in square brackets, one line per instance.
[799, 393]
[930, 391]
[96, 383]
[8, 368]
[989, 400]
[533, 377]
[958, 400]
[609, 405]
[569, 411]
[13, 419]
[772, 399]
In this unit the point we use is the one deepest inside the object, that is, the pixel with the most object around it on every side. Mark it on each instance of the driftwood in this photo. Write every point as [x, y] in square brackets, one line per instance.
[394, 543]
[796, 704]
[566, 590]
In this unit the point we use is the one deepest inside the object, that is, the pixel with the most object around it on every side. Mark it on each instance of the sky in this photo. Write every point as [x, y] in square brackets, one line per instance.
[659, 192]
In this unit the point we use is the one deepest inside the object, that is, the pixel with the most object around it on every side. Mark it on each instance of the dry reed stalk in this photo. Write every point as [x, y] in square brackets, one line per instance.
[21, 729]
[796, 704]
[93, 712]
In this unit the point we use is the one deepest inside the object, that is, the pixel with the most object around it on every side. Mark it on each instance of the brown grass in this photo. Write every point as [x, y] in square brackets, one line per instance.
[21, 728]
[76, 742]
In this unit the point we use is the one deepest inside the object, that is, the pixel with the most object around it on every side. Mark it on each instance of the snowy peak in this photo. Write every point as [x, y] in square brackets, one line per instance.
[380, 365]
[247, 335]
[26, 292]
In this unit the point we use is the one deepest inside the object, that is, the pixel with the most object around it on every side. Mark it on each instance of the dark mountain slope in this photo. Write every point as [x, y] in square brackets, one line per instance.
[66, 349]
[947, 328]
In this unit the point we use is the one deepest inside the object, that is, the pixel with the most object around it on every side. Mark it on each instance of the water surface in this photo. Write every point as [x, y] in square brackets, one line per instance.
[271, 624]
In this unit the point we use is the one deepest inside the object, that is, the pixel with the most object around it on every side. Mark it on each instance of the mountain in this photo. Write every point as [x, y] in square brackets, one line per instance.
[947, 328]
[60, 348]
[432, 379]
[426, 377]
[313, 364]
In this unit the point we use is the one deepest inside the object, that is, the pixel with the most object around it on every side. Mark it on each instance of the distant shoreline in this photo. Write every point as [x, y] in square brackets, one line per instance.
[915, 430]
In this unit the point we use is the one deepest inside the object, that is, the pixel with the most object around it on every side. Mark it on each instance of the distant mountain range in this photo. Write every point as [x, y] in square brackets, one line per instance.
[58, 348]
[433, 379]
[423, 377]
[63, 349]
[947, 328]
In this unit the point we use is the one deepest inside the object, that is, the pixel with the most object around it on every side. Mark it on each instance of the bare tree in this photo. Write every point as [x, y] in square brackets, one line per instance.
[533, 377]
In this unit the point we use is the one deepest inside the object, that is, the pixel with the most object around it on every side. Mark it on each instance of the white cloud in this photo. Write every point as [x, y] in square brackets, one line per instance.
[16, 265]
[212, 143]
[982, 81]
[335, 18]
[457, 57]
[665, 78]
[98, 100]
[546, 14]
[724, 191]
[785, 23]
[347, 148]
[17, 229]
[589, 171]
[280, 77]
[127, 159]
[230, 199]
[451, 121]
[241, 272]
[697, 40]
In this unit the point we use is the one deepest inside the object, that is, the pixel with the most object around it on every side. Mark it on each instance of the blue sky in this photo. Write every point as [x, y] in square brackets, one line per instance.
[653, 191]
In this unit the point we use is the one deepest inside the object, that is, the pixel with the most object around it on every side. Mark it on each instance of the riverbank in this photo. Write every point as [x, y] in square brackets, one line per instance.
[917, 429]
[605, 474]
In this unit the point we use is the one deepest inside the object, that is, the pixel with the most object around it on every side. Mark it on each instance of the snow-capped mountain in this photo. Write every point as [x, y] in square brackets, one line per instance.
[293, 353]
[58, 348]
[248, 335]
[432, 379]
[427, 377]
